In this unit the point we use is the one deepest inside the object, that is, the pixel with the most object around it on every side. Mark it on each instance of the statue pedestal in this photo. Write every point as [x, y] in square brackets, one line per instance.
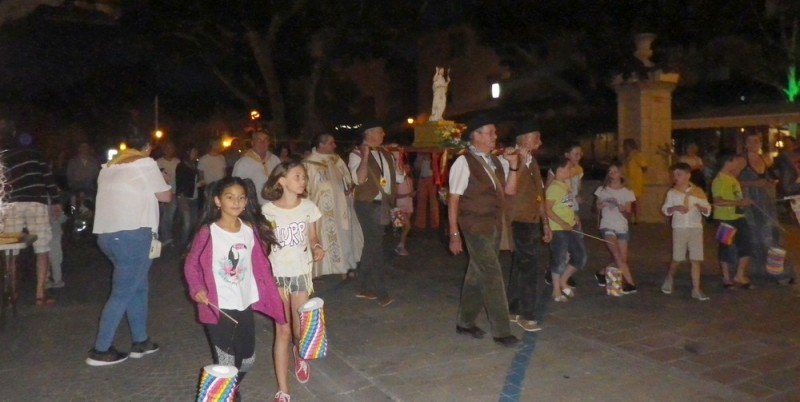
[644, 113]
[425, 136]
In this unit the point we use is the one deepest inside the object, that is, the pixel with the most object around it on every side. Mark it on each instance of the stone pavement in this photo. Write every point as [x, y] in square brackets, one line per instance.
[741, 345]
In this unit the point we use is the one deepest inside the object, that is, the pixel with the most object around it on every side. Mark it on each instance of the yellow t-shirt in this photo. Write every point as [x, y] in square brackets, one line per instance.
[634, 175]
[728, 188]
[563, 203]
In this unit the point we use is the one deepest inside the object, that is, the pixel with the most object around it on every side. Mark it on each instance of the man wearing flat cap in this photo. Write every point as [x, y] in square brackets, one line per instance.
[375, 177]
[479, 183]
[528, 229]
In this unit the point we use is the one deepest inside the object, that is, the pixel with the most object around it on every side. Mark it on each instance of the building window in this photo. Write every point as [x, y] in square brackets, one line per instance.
[495, 90]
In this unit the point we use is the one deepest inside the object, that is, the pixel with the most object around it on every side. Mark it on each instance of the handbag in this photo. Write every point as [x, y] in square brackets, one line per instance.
[155, 247]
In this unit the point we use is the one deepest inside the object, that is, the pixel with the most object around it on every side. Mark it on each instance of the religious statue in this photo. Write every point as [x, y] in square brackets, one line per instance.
[440, 82]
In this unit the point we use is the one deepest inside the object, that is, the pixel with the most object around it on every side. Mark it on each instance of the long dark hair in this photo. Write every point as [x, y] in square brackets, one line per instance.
[251, 215]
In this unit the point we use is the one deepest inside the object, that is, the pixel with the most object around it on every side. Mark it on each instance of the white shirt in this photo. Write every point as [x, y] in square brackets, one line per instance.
[459, 172]
[354, 160]
[293, 254]
[233, 267]
[212, 167]
[615, 199]
[691, 219]
[126, 197]
[248, 168]
[169, 166]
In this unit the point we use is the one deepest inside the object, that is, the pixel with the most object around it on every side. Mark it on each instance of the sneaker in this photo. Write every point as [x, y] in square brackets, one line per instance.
[548, 278]
[385, 301]
[601, 279]
[139, 349]
[366, 295]
[301, 369]
[401, 250]
[514, 317]
[666, 288]
[529, 325]
[627, 288]
[281, 396]
[55, 285]
[107, 358]
[699, 295]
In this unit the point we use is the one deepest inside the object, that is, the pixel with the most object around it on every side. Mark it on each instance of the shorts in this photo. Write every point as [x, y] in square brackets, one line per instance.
[741, 246]
[687, 239]
[295, 284]
[621, 236]
[567, 248]
[35, 217]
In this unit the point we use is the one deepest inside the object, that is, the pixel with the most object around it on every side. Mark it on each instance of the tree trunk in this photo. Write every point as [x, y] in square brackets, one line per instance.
[312, 124]
[262, 51]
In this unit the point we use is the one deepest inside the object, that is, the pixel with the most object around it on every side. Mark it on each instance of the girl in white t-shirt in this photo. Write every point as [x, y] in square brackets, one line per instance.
[293, 219]
[614, 203]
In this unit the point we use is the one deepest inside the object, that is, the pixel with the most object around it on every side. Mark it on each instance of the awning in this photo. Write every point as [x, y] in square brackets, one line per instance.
[749, 115]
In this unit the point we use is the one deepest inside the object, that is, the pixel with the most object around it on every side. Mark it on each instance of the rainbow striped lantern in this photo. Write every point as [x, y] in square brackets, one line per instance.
[217, 384]
[725, 234]
[775, 258]
[313, 336]
[613, 281]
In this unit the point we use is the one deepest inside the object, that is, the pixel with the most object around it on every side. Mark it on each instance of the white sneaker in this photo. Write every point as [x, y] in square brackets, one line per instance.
[699, 295]
[55, 285]
[666, 288]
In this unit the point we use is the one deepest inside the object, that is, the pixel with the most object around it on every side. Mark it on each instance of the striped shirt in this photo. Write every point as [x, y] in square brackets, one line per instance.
[28, 178]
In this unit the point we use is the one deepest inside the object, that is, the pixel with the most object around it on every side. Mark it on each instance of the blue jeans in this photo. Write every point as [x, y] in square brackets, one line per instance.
[128, 250]
[567, 248]
[167, 212]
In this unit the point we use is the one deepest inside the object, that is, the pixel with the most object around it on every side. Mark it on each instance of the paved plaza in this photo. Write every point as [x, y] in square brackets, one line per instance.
[739, 346]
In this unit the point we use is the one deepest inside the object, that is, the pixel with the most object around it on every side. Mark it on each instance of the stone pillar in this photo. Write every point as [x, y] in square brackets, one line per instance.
[644, 113]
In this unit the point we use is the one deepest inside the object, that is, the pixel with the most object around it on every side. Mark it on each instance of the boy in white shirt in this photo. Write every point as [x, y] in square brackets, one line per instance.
[686, 204]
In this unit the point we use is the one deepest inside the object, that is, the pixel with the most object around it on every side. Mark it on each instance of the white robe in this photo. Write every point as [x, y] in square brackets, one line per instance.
[338, 229]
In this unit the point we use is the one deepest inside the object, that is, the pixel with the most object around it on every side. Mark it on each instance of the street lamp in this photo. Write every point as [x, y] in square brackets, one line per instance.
[158, 134]
[254, 115]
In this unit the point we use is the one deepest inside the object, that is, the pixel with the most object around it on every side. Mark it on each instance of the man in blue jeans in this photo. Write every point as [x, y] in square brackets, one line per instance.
[130, 186]
[526, 212]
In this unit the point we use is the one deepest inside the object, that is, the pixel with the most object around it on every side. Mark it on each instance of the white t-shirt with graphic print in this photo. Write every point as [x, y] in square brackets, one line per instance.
[292, 256]
[233, 268]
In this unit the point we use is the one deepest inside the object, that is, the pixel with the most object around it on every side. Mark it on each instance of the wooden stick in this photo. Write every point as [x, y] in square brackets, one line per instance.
[223, 313]
[593, 237]
[774, 221]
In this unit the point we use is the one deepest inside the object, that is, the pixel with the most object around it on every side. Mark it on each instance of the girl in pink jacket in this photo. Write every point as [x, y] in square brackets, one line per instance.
[228, 272]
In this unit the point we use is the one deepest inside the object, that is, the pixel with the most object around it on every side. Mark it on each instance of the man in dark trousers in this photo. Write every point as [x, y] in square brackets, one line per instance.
[479, 183]
[528, 229]
[375, 176]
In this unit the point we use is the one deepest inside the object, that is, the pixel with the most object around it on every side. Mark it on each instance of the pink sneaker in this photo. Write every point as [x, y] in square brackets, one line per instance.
[401, 250]
[301, 368]
[281, 396]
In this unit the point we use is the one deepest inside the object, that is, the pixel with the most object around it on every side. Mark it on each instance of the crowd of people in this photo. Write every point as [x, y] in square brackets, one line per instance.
[259, 228]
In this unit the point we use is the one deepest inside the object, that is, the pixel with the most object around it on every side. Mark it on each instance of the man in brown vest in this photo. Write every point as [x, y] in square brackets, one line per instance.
[526, 212]
[376, 188]
[479, 182]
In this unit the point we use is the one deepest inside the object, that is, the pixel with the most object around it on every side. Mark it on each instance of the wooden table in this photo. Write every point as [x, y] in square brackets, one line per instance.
[8, 277]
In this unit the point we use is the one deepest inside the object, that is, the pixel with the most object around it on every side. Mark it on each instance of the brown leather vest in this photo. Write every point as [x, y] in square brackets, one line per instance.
[524, 206]
[481, 207]
[368, 190]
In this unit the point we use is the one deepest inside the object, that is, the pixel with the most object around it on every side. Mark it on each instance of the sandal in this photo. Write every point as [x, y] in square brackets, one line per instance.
[561, 299]
[743, 285]
[45, 301]
[568, 291]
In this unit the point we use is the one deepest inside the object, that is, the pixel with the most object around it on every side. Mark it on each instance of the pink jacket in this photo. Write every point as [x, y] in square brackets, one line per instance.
[198, 270]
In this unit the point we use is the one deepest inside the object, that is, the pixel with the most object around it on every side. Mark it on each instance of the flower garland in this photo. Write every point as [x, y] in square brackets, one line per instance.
[449, 134]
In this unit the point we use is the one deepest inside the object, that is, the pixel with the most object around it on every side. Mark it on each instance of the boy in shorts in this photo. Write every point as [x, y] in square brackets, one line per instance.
[686, 204]
[728, 202]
